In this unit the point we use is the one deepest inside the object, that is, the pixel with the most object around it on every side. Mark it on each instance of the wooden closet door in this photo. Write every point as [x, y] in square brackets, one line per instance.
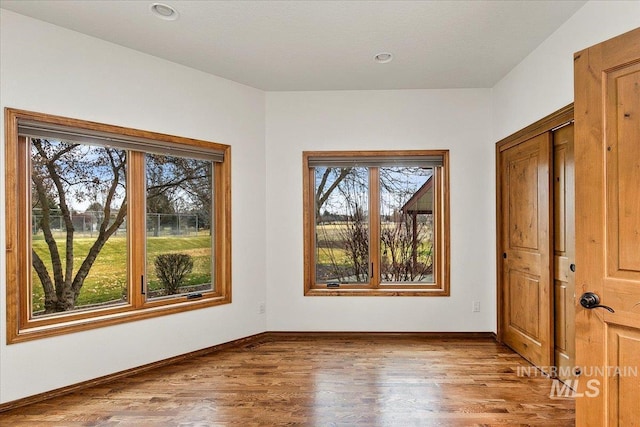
[525, 215]
[564, 251]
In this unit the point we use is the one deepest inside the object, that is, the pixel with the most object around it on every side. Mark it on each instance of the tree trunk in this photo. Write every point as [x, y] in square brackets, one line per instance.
[50, 296]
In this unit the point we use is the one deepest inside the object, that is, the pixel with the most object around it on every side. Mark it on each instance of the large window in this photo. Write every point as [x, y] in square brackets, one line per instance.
[376, 223]
[108, 224]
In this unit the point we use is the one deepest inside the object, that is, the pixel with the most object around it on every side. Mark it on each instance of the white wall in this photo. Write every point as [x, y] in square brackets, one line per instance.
[458, 120]
[543, 82]
[48, 69]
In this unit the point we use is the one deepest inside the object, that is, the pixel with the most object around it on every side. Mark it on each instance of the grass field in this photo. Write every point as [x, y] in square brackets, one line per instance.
[333, 261]
[107, 280]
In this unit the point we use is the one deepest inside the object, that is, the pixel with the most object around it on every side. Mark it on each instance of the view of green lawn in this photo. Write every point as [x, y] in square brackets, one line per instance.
[333, 259]
[107, 280]
[327, 255]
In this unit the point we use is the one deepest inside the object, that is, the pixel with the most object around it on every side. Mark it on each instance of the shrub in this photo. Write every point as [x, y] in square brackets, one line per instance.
[171, 270]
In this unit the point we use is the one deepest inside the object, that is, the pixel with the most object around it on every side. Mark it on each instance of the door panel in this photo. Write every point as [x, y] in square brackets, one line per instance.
[523, 200]
[624, 388]
[564, 251]
[524, 303]
[623, 161]
[607, 126]
[526, 286]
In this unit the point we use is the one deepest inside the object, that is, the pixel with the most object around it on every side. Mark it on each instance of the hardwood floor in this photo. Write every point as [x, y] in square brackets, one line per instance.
[320, 380]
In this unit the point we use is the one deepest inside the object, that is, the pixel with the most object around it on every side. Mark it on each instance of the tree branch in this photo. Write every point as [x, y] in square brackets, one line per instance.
[115, 168]
[321, 197]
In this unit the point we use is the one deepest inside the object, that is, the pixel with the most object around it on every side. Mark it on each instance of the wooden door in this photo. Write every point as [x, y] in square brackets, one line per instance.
[564, 251]
[525, 241]
[607, 155]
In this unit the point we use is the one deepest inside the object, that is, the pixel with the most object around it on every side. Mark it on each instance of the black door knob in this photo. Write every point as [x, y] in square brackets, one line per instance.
[590, 300]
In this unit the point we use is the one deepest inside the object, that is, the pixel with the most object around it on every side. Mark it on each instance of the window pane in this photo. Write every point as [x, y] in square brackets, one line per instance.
[78, 223]
[342, 218]
[179, 257]
[406, 224]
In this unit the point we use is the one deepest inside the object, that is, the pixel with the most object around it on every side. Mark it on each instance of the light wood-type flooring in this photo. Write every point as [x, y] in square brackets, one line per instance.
[321, 380]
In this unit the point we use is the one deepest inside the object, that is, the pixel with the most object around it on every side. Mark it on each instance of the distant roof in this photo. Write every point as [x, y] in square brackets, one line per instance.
[422, 200]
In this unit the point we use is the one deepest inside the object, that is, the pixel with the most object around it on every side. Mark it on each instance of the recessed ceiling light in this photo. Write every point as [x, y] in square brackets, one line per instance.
[164, 11]
[383, 57]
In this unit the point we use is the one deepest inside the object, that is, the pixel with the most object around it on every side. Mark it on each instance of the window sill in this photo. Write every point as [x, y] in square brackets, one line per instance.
[378, 292]
[36, 329]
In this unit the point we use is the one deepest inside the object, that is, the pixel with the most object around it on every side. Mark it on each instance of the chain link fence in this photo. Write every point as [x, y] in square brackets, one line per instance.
[87, 224]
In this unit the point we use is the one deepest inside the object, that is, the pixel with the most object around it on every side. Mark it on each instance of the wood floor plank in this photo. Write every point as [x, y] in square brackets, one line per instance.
[321, 381]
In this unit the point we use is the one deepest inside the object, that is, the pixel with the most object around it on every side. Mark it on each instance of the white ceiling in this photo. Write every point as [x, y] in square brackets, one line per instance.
[323, 45]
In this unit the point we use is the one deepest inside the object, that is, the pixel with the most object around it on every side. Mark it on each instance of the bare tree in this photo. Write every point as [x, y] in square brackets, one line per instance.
[404, 259]
[343, 191]
[329, 181]
[62, 171]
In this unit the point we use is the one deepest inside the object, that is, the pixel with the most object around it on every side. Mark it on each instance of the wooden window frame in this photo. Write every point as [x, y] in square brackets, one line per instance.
[21, 326]
[441, 263]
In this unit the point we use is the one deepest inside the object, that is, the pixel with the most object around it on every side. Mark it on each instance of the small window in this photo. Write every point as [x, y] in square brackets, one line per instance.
[376, 223]
[110, 224]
